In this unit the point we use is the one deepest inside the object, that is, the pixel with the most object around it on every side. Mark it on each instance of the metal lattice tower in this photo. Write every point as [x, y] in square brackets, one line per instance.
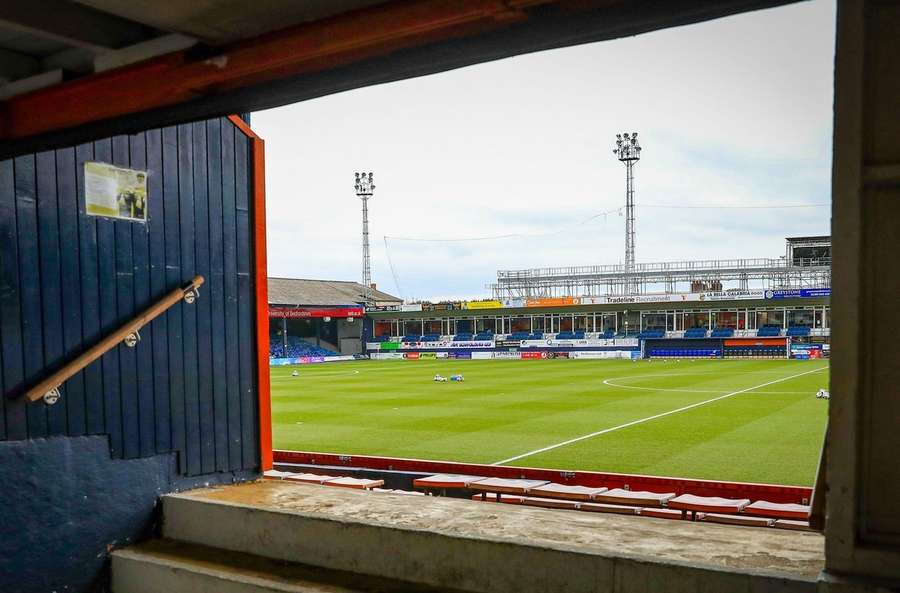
[365, 188]
[628, 150]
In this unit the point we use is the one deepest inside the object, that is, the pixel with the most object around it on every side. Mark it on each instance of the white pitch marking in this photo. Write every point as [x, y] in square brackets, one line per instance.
[611, 383]
[649, 418]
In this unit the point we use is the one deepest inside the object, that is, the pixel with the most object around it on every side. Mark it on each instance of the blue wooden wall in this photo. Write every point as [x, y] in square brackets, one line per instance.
[66, 279]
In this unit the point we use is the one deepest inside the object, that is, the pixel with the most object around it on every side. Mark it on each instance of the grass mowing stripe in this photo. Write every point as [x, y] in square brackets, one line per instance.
[649, 418]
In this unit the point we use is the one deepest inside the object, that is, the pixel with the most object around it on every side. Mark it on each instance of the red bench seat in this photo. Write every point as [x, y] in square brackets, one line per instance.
[563, 491]
[708, 504]
[355, 483]
[660, 513]
[761, 508]
[550, 503]
[504, 498]
[599, 507]
[444, 481]
[505, 486]
[736, 520]
[634, 498]
[307, 478]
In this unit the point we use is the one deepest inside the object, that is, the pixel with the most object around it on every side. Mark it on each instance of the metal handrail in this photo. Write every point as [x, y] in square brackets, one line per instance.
[48, 389]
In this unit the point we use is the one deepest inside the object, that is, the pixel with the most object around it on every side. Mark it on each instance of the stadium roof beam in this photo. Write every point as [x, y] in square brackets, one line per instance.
[250, 57]
[615, 279]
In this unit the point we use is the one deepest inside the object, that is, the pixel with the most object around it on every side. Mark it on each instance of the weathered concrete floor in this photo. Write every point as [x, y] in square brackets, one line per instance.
[743, 549]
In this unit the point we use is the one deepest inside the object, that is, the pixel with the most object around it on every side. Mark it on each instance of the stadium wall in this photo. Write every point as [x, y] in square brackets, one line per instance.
[181, 408]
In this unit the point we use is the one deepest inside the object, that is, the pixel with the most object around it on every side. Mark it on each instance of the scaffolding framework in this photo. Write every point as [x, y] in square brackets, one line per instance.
[662, 277]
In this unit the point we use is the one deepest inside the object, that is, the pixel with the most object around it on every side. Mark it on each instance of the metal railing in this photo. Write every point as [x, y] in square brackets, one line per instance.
[48, 389]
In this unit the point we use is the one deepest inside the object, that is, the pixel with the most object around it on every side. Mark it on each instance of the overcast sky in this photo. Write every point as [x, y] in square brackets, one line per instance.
[733, 112]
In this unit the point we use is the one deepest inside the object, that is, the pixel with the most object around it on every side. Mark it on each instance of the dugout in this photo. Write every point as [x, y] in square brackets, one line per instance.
[94, 74]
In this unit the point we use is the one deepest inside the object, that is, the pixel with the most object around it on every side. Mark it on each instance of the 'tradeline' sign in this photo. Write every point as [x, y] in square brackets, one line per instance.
[115, 192]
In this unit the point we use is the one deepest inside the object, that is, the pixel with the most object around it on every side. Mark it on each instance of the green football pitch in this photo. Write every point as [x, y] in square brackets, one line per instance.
[746, 420]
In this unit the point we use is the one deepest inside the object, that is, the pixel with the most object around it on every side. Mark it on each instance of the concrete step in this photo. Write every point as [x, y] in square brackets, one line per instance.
[166, 566]
[489, 548]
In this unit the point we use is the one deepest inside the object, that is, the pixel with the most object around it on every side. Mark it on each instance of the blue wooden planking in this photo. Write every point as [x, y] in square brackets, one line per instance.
[124, 282]
[216, 294]
[189, 312]
[2, 389]
[173, 279]
[10, 313]
[232, 326]
[66, 279]
[70, 281]
[90, 297]
[140, 246]
[30, 286]
[158, 287]
[246, 296]
[203, 305]
[50, 281]
[109, 316]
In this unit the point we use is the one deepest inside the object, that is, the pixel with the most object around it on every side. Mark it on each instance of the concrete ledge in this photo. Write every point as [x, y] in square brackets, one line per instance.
[165, 566]
[477, 547]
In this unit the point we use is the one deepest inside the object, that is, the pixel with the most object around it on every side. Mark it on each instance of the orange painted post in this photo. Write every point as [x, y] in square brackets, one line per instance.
[261, 277]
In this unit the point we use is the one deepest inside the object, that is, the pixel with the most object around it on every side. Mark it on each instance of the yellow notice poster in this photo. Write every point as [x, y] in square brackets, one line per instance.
[115, 192]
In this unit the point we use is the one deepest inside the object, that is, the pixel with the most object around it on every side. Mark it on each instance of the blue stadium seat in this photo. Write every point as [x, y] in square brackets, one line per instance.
[695, 332]
[297, 348]
[652, 333]
[768, 331]
[797, 331]
[722, 332]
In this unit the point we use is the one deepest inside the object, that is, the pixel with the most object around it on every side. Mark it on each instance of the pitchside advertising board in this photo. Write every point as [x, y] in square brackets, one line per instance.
[523, 355]
[315, 312]
[278, 362]
[807, 351]
[490, 344]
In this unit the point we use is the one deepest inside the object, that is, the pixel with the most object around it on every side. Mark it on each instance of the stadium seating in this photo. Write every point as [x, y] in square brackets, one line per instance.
[634, 498]
[761, 508]
[412, 338]
[297, 348]
[722, 332]
[595, 499]
[483, 336]
[797, 331]
[536, 336]
[608, 334]
[689, 503]
[768, 331]
[463, 337]
[754, 351]
[686, 352]
[518, 336]
[431, 338]
[695, 332]
[567, 492]
[652, 333]
[735, 520]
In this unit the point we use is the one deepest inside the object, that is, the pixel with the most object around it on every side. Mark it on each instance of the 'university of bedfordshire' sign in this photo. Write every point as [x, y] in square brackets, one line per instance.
[115, 192]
